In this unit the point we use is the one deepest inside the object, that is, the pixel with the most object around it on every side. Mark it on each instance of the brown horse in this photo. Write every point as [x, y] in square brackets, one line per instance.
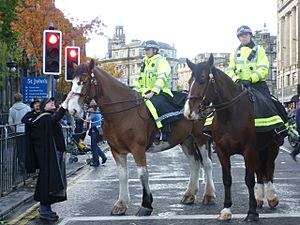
[234, 133]
[129, 128]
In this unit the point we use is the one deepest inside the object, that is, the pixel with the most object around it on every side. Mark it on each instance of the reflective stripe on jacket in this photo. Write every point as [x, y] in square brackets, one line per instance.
[255, 69]
[155, 77]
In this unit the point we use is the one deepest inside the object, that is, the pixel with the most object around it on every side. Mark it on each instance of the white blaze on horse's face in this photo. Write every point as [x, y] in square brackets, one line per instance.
[188, 112]
[73, 106]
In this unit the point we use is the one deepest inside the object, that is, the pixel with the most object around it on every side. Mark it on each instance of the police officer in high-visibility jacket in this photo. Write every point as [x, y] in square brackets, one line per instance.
[249, 66]
[154, 80]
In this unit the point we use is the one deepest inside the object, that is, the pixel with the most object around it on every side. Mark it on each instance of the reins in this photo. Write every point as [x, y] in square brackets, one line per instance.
[138, 101]
[217, 107]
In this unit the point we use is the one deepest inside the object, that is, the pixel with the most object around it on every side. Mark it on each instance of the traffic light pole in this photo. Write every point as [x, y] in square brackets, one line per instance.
[50, 80]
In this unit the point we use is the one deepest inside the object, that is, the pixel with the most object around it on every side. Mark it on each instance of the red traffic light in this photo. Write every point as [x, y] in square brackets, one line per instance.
[73, 53]
[52, 39]
[52, 44]
[72, 57]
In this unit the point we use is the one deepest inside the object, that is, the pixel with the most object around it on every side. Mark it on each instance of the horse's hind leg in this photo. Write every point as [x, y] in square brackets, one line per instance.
[140, 160]
[121, 205]
[209, 195]
[189, 195]
[193, 186]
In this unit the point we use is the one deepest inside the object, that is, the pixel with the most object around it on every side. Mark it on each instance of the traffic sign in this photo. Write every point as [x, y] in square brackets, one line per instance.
[35, 88]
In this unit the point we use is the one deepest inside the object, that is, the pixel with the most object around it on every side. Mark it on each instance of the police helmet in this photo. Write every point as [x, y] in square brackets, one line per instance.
[243, 30]
[151, 44]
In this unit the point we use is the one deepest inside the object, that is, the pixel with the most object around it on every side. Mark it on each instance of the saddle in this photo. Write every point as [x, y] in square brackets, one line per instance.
[169, 109]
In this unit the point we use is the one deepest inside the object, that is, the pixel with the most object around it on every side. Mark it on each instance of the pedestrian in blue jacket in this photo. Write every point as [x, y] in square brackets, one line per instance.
[95, 118]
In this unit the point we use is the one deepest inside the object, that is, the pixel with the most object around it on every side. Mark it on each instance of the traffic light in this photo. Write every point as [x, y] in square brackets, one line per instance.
[52, 52]
[72, 55]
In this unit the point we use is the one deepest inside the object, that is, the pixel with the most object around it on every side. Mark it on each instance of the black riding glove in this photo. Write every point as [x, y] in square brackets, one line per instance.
[244, 83]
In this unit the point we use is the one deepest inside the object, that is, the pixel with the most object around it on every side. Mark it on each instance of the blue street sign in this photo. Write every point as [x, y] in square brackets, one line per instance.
[34, 87]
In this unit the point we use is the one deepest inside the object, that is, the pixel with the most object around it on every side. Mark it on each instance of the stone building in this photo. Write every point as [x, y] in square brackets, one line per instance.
[128, 57]
[268, 42]
[288, 50]
[221, 61]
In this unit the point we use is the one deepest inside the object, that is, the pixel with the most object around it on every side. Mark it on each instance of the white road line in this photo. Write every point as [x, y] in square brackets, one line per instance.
[172, 179]
[170, 217]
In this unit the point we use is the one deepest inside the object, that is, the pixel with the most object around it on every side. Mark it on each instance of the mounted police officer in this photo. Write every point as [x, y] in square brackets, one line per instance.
[249, 67]
[153, 82]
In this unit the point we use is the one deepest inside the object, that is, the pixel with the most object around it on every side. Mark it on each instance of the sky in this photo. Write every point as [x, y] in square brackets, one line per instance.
[192, 26]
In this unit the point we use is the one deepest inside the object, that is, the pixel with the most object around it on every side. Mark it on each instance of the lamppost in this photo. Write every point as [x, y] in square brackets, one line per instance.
[11, 65]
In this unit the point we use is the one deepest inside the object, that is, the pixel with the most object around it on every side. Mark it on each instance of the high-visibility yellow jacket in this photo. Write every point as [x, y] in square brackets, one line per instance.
[255, 69]
[155, 76]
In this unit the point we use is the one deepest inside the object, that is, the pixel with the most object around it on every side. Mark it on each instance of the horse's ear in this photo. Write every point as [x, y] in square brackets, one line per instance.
[190, 64]
[91, 65]
[211, 60]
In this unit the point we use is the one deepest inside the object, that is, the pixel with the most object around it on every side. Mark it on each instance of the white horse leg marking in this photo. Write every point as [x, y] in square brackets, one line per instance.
[271, 193]
[124, 196]
[225, 214]
[260, 192]
[207, 166]
[144, 178]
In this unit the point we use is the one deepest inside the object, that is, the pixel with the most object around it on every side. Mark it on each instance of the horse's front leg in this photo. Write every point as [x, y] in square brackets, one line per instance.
[121, 205]
[140, 160]
[250, 161]
[225, 213]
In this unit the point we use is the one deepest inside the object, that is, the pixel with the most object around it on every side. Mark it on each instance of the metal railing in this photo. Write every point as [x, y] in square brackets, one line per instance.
[12, 158]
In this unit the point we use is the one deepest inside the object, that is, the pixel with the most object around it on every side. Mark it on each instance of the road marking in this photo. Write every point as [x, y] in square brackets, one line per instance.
[66, 220]
[172, 179]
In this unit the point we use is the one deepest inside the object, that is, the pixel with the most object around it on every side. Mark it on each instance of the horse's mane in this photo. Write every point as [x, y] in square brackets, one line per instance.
[83, 68]
[111, 78]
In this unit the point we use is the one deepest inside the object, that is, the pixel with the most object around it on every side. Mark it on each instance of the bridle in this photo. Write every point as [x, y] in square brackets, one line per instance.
[203, 108]
[87, 99]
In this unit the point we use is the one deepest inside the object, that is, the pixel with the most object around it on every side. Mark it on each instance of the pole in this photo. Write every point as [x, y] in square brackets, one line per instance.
[128, 74]
[282, 85]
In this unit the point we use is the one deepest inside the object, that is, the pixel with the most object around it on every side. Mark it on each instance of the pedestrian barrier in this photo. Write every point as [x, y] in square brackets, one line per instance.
[12, 159]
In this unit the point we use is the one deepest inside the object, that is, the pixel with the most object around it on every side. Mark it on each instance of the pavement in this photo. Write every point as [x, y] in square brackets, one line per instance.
[24, 193]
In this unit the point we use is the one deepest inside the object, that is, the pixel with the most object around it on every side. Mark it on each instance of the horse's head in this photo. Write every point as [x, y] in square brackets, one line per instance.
[84, 85]
[200, 89]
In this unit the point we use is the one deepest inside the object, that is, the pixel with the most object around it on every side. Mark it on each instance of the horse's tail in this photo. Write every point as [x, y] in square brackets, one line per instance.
[198, 155]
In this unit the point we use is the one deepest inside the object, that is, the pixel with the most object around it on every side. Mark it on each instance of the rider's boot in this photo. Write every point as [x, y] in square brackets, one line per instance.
[280, 133]
[295, 152]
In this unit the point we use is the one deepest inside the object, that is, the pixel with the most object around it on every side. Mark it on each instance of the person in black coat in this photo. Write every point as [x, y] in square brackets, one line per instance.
[46, 151]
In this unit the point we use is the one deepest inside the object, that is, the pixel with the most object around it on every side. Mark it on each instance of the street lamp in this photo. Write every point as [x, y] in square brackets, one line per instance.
[11, 65]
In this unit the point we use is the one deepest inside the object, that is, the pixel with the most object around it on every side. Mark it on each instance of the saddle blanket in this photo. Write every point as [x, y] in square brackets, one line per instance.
[169, 109]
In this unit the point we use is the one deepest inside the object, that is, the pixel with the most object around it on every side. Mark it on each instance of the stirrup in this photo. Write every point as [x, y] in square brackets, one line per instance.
[281, 131]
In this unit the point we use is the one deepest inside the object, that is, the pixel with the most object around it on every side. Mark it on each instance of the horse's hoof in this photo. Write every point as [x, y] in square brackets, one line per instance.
[144, 211]
[188, 199]
[273, 203]
[259, 203]
[252, 217]
[225, 215]
[118, 211]
[209, 200]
